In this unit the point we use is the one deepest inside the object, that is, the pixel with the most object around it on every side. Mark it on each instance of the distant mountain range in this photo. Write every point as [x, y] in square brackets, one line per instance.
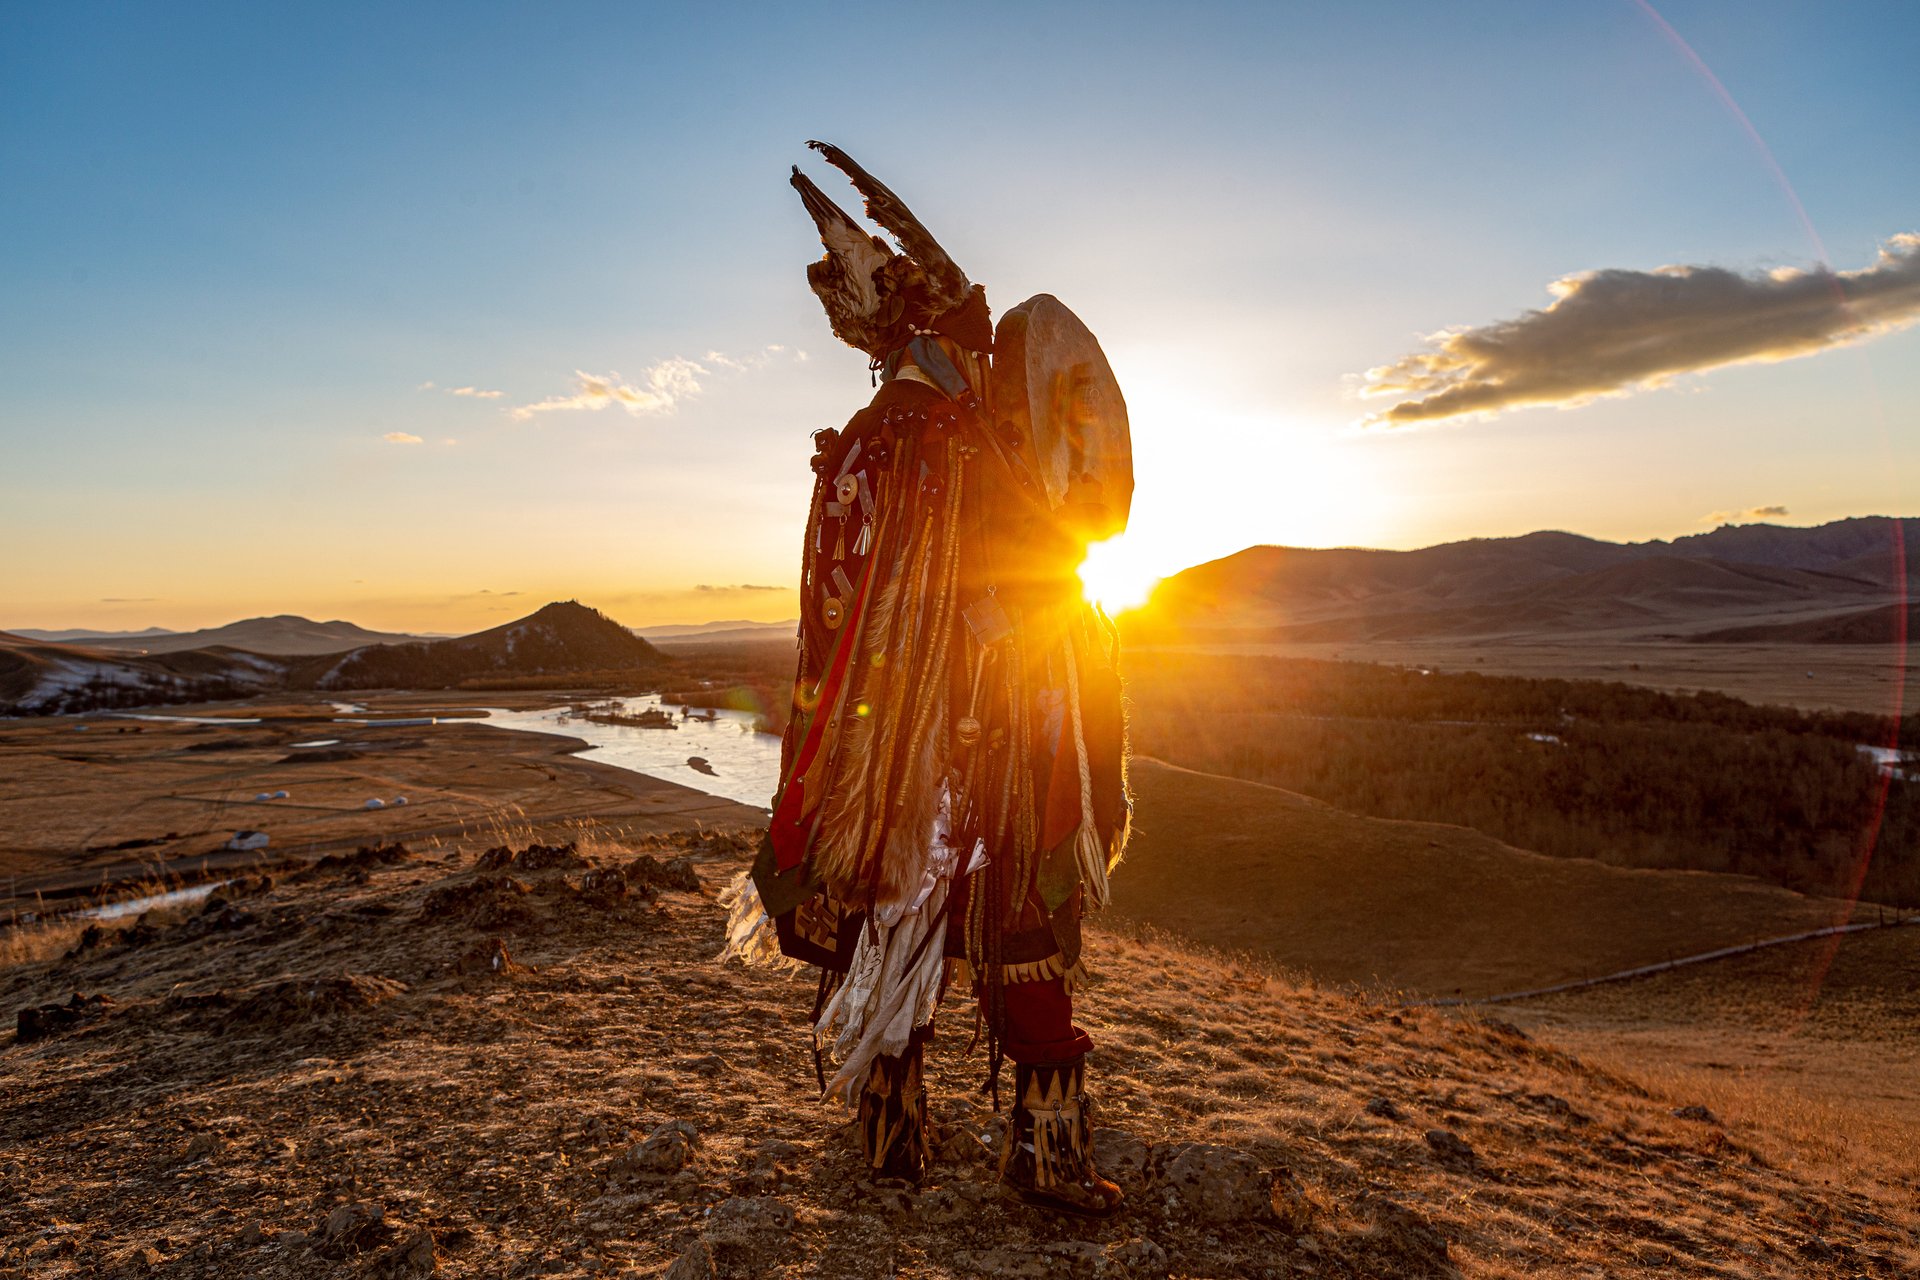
[282, 634]
[560, 640]
[1832, 583]
[733, 632]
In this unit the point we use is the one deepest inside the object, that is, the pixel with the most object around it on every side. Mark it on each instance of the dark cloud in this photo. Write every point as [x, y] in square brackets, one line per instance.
[1616, 331]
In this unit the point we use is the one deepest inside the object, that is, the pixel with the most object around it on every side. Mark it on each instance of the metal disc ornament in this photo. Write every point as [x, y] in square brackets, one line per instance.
[1055, 393]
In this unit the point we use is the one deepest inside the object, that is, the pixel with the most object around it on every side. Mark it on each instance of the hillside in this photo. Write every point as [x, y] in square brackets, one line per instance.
[42, 679]
[1545, 583]
[560, 638]
[1889, 624]
[283, 634]
[1444, 910]
[405, 1064]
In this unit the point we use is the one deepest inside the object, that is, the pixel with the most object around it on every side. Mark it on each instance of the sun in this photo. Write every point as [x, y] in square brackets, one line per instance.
[1113, 576]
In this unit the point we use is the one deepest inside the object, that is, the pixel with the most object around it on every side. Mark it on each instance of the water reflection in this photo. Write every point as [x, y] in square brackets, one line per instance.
[739, 763]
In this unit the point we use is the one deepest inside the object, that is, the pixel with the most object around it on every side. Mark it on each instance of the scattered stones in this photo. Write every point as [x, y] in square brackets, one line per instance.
[1384, 1108]
[1694, 1111]
[1139, 1258]
[1216, 1184]
[668, 1149]
[1452, 1150]
[41, 1021]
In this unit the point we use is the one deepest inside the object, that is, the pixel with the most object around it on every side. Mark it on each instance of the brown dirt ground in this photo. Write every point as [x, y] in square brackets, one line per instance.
[339, 1075]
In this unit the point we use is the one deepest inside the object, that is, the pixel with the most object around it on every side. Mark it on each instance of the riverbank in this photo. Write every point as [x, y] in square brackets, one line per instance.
[87, 802]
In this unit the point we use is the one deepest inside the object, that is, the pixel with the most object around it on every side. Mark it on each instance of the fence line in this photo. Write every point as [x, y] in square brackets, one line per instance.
[1664, 965]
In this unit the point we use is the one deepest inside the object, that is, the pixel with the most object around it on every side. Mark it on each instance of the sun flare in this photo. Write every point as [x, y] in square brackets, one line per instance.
[1114, 577]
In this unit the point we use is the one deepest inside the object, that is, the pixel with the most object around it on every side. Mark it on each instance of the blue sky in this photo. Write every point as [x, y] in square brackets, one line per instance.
[238, 241]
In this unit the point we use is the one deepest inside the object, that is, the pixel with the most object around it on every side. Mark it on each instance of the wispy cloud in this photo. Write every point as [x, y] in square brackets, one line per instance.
[475, 393]
[1749, 515]
[656, 392]
[738, 586]
[401, 437]
[128, 599]
[1616, 331]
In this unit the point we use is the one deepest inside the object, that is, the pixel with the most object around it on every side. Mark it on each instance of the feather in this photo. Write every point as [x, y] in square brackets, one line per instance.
[946, 283]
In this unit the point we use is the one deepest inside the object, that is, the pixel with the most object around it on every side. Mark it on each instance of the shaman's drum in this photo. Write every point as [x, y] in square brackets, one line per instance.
[1052, 385]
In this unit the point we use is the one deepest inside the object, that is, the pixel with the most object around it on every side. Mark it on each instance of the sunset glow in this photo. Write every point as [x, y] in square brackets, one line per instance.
[1114, 577]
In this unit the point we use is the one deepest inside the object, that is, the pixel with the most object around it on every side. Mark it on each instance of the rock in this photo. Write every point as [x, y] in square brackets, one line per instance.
[353, 1228]
[1120, 1156]
[1694, 1111]
[535, 857]
[1452, 1150]
[668, 1149]
[43, 1021]
[141, 1260]
[1400, 1240]
[202, 1146]
[605, 887]
[745, 1216]
[649, 873]
[412, 1255]
[1218, 1184]
[695, 1264]
[1384, 1108]
[252, 1234]
[1139, 1258]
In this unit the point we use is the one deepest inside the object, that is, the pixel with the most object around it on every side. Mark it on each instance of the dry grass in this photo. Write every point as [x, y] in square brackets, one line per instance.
[238, 1078]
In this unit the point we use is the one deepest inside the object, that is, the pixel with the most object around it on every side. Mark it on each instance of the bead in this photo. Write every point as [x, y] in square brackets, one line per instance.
[967, 731]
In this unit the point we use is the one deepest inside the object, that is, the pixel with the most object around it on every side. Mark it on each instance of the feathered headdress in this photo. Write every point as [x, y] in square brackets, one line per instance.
[877, 299]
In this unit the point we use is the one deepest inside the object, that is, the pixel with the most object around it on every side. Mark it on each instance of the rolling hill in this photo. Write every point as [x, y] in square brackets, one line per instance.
[1541, 584]
[561, 639]
[283, 634]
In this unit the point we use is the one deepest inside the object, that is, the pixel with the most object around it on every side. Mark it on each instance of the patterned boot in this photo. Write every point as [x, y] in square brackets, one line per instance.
[1048, 1159]
[893, 1116]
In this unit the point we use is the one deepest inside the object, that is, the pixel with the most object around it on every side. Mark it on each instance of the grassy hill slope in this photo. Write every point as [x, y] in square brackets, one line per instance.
[1442, 909]
[407, 1064]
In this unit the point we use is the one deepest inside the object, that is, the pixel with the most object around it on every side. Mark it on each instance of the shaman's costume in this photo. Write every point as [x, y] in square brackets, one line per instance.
[953, 789]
